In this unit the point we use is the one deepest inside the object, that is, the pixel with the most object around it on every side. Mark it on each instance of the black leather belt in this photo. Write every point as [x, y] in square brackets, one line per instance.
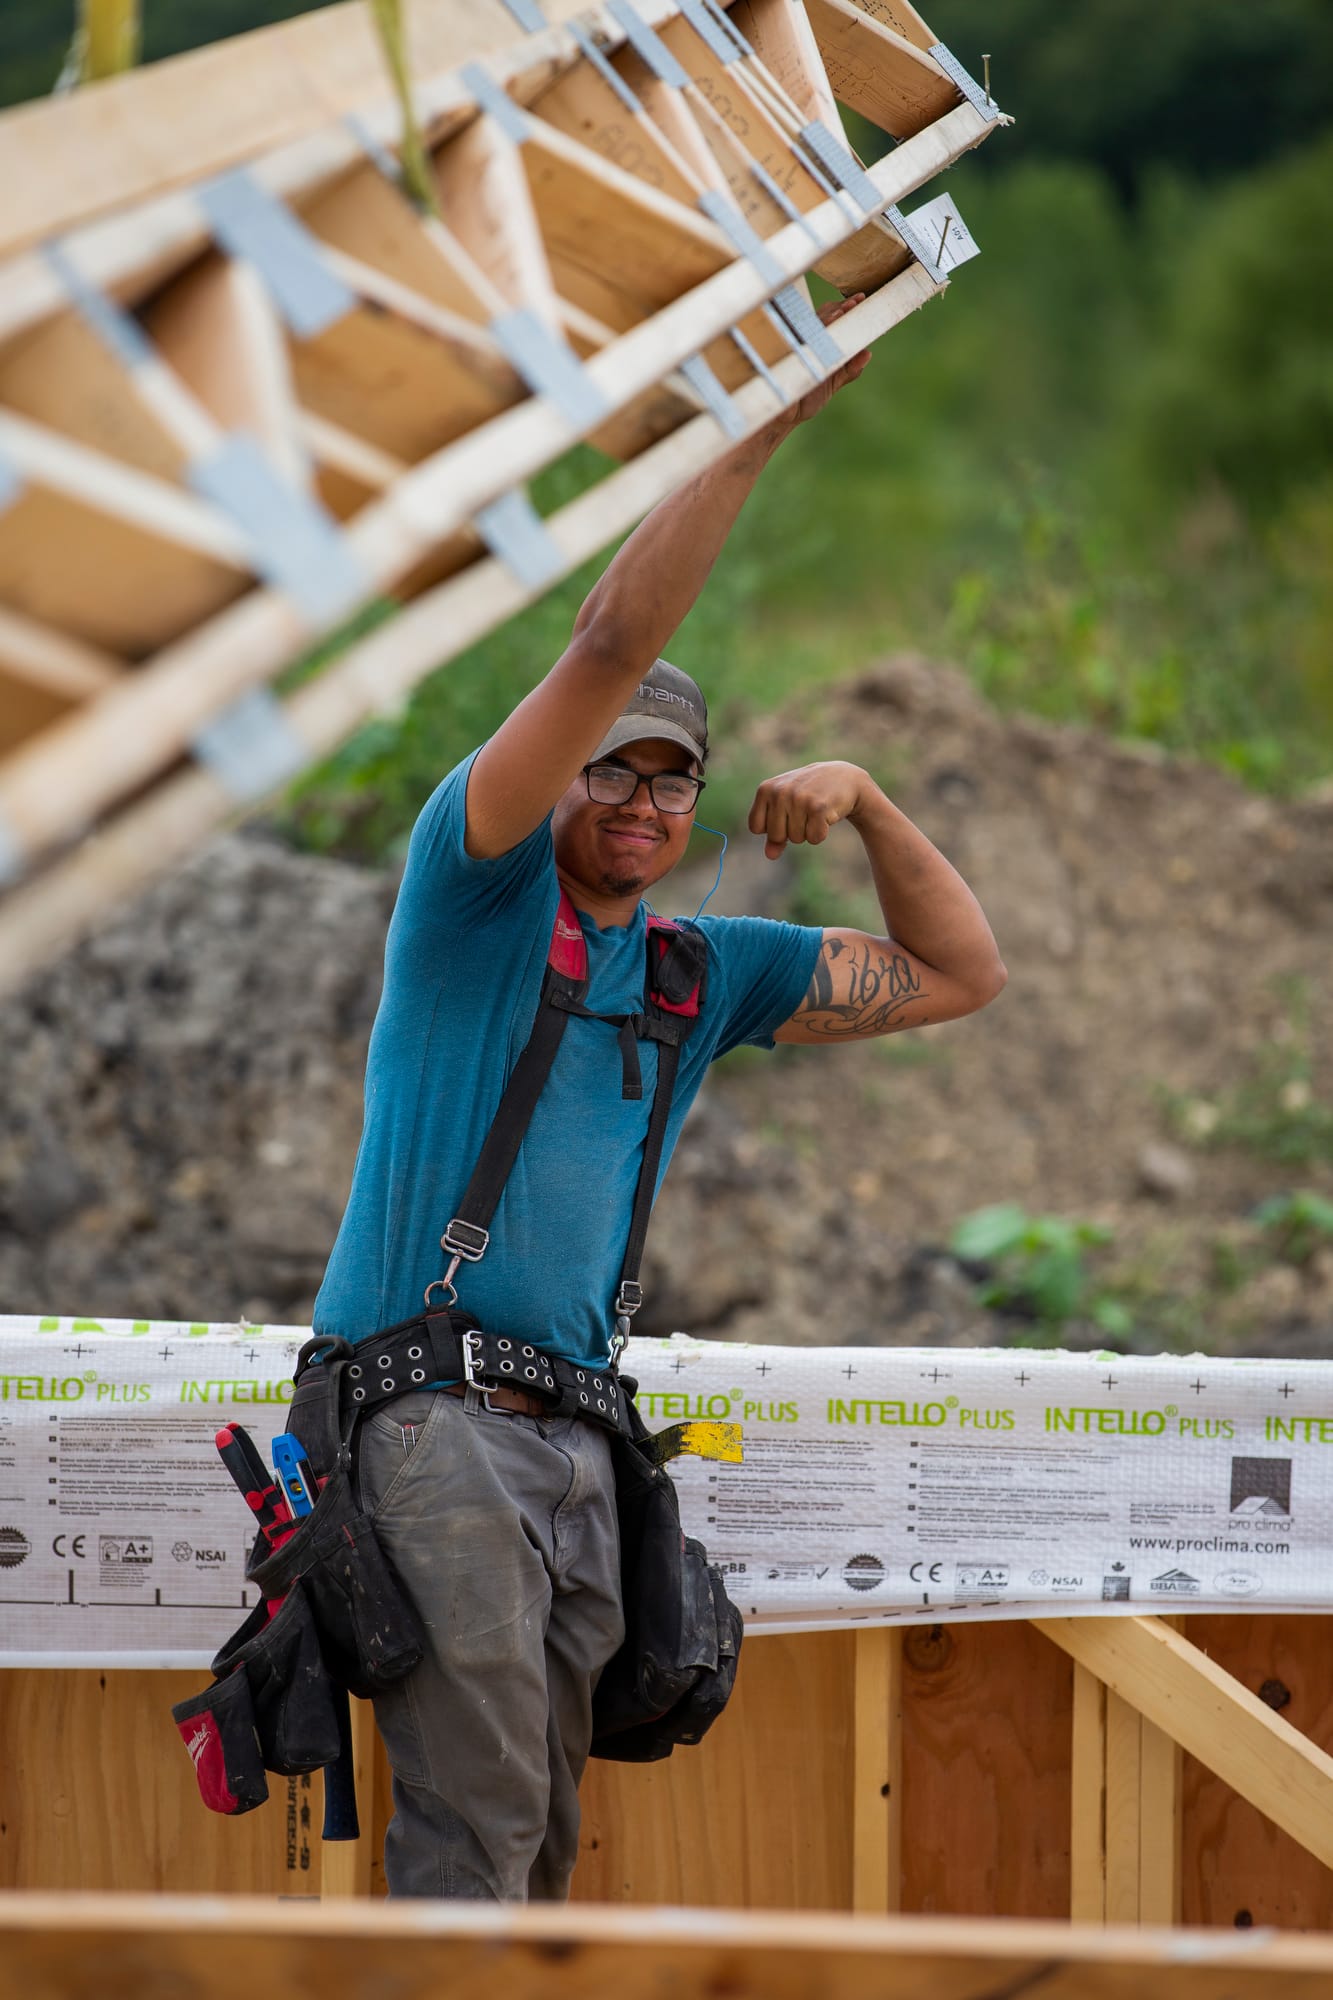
[449, 1347]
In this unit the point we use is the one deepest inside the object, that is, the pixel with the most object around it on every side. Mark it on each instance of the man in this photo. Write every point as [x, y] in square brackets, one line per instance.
[499, 1518]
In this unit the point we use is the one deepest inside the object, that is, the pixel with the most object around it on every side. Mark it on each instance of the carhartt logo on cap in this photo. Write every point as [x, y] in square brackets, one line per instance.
[666, 703]
[650, 693]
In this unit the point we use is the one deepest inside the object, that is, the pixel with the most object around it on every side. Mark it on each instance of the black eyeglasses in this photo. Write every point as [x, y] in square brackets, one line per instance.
[616, 785]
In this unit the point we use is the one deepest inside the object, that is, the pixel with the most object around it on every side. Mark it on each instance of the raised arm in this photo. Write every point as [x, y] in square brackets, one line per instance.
[937, 959]
[626, 621]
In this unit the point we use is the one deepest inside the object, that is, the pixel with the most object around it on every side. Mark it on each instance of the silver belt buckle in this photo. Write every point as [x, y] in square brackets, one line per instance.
[471, 1373]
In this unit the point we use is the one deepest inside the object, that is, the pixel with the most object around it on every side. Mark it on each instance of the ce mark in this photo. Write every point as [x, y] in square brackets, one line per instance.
[75, 1548]
[932, 1573]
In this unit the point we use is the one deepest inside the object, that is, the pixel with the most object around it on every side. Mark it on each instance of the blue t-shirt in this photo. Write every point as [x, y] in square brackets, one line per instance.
[463, 969]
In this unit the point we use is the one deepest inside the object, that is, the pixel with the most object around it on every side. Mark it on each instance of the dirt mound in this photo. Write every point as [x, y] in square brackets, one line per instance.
[183, 1092]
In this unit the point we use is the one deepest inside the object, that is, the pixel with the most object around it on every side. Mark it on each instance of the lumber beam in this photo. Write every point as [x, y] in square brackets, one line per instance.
[902, 18]
[51, 660]
[745, 115]
[1087, 1789]
[877, 1813]
[483, 194]
[1211, 1715]
[1124, 1809]
[60, 1947]
[877, 72]
[216, 327]
[583, 105]
[369, 219]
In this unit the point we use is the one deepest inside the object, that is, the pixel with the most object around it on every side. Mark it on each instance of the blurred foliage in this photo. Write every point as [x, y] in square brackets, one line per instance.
[1299, 1224]
[1099, 475]
[1037, 1268]
[1212, 87]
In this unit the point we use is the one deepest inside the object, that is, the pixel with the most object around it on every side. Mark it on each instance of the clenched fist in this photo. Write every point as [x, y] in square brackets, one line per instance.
[804, 804]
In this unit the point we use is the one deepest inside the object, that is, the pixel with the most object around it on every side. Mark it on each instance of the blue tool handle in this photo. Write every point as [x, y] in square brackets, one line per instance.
[340, 1815]
[294, 1473]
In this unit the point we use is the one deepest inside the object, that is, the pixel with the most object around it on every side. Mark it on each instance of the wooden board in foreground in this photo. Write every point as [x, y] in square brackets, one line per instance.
[56, 1948]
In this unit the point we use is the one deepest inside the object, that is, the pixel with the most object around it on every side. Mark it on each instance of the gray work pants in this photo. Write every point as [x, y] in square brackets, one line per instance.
[503, 1530]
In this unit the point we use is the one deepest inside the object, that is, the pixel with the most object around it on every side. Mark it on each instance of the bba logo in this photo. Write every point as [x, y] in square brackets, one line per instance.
[1176, 1583]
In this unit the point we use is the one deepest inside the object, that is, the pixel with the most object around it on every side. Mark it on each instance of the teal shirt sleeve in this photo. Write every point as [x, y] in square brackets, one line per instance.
[759, 973]
[445, 885]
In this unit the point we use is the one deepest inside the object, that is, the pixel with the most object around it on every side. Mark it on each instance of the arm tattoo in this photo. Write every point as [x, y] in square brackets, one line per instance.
[857, 990]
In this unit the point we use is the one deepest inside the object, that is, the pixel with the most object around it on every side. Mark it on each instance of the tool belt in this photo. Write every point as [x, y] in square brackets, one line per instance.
[443, 1347]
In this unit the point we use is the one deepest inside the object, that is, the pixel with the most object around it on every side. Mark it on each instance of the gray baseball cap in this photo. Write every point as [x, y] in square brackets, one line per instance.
[665, 703]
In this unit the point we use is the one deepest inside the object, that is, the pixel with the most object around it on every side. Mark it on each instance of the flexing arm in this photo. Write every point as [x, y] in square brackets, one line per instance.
[626, 621]
[938, 959]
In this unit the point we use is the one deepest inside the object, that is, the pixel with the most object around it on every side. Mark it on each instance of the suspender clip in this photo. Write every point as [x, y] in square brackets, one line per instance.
[466, 1240]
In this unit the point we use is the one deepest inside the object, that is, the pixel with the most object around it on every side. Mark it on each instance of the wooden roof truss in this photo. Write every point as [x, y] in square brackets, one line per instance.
[241, 404]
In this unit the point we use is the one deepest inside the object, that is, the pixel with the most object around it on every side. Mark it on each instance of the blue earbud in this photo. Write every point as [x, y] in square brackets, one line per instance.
[717, 879]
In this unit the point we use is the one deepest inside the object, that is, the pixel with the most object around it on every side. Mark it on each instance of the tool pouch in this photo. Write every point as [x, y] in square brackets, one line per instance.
[675, 1671]
[368, 1632]
[291, 1694]
[218, 1729]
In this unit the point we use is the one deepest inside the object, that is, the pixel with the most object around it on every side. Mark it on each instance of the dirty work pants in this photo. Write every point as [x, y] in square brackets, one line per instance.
[503, 1530]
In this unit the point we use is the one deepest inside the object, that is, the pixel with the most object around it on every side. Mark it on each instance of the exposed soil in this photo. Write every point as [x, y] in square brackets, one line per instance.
[182, 1093]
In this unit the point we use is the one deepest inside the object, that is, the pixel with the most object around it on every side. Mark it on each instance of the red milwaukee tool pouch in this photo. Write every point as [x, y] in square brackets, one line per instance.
[291, 1695]
[368, 1632]
[218, 1729]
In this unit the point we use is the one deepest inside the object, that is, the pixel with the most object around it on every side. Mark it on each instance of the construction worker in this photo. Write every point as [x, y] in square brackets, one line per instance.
[498, 1516]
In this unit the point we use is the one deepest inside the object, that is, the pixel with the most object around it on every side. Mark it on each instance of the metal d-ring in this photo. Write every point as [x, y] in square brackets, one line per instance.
[445, 1285]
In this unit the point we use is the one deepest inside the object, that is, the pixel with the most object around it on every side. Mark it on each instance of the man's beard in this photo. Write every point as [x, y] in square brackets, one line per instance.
[624, 883]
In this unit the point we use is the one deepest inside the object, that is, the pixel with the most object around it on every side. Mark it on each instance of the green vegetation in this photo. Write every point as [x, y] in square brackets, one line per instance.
[1048, 1273]
[1038, 1269]
[1296, 1224]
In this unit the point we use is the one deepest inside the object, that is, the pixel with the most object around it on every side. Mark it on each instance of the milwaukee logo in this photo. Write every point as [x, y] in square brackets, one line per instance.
[197, 1744]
